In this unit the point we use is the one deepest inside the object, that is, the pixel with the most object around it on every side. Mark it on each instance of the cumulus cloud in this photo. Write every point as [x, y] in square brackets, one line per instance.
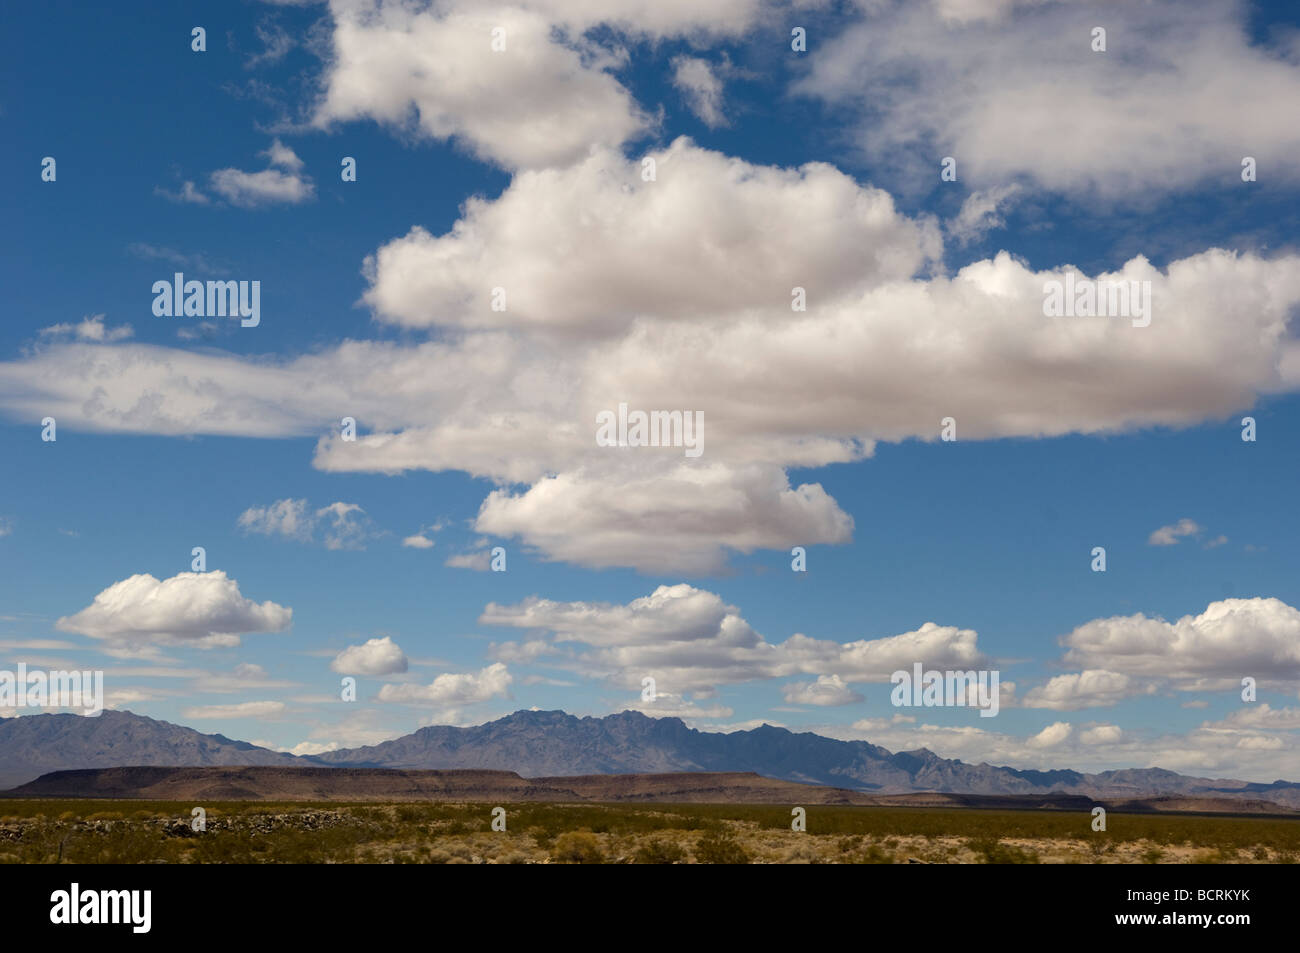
[700, 513]
[696, 243]
[690, 641]
[1052, 736]
[827, 690]
[282, 182]
[381, 656]
[542, 101]
[251, 189]
[206, 610]
[595, 319]
[985, 81]
[1087, 689]
[1259, 637]
[1130, 656]
[1259, 716]
[278, 154]
[421, 539]
[1101, 735]
[448, 689]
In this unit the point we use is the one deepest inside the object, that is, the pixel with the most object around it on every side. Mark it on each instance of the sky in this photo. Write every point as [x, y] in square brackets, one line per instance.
[554, 213]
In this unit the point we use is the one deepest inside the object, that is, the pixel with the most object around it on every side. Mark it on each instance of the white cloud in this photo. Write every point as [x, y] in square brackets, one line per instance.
[1101, 735]
[421, 539]
[380, 656]
[668, 705]
[478, 561]
[91, 328]
[241, 710]
[341, 525]
[290, 518]
[449, 689]
[123, 697]
[704, 223]
[1015, 89]
[543, 101]
[188, 194]
[305, 747]
[694, 513]
[1260, 716]
[251, 189]
[1087, 689]
[690, 641]
[827, 690]
[701, 87]
[346, 525]
[278, 154]
[282, 182]
[1254, 743]
[1052, 736]
[202, 609]
[1232, 638]
[1170, 535]
[980, 213]
[512, 396]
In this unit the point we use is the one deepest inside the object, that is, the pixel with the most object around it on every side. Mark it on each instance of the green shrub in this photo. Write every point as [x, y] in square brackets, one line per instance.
[659, 851]
[993, 851]
[872, 855]
[577, 847]
[720, 847]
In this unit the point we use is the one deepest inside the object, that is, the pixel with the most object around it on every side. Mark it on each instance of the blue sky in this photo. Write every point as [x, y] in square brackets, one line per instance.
[476, 426]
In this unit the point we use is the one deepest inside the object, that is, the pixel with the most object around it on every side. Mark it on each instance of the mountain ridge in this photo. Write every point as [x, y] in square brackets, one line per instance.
[549, 744]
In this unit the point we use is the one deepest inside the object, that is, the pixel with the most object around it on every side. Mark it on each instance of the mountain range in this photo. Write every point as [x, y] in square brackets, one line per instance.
[537, 744]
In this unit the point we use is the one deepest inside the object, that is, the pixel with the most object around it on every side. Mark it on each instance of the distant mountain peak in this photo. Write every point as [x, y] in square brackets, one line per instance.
[558, 744]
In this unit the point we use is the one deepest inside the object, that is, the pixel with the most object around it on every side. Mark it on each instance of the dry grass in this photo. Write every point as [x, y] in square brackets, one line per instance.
[458, 833]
